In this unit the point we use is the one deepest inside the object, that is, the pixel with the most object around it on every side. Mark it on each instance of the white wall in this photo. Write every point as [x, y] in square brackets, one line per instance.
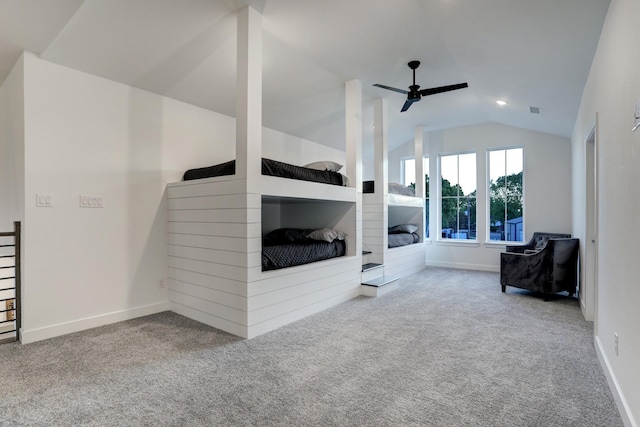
[612, 90]
[547, 187]
[85, 135]
[12, 148]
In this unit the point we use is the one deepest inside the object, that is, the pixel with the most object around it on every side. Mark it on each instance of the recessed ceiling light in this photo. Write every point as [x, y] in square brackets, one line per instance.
[501, 102]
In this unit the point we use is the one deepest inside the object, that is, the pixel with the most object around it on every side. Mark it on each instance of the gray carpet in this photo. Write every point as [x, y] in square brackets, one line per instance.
[446, 349]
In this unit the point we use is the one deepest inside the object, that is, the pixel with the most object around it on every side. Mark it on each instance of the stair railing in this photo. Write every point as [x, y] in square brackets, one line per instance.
[10, 281]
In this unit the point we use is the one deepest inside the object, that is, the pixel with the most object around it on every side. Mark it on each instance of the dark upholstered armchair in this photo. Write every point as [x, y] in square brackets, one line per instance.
[548, 264]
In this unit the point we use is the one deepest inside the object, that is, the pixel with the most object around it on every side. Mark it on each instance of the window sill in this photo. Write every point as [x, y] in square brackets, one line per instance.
[495, 245]
[461, 243]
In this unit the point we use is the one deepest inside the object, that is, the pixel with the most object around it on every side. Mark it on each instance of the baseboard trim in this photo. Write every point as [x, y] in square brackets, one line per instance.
[621, 402]
[459, 266]
[46, 332]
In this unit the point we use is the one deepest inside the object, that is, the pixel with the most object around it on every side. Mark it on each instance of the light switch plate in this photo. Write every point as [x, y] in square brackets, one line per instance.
[44, 200]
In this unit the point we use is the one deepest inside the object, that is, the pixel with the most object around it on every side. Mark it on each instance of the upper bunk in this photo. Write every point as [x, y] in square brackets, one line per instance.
[398, 194]
[319, 180]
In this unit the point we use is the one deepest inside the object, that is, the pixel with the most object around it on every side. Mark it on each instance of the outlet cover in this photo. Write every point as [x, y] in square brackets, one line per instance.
[91, 201]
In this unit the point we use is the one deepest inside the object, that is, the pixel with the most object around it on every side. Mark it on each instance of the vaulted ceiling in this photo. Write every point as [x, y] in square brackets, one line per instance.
[532, 53]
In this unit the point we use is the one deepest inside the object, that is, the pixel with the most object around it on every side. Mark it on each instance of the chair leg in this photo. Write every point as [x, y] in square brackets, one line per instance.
[504, 288]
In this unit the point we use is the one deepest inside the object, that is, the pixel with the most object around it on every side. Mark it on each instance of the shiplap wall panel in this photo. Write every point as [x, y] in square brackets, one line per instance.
[280, 294]
[205, 293]
[302, 312]
[223, 229]
[238, 201]
[209, 268]
[372, 216]
[306, 299]
[198, 188]
[232, 314]
[278, 279]
[233, 244]
[216, 256]
[297, 189]
[210, 319]
[230, 286]
[374, 220]
[405, 260]
[215, 215]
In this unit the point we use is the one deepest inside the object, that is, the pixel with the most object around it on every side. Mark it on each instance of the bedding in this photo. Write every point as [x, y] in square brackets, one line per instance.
[402, 235]
[289, 255]
[324, 165]
[271, 168]
[287, 247]
[403, 228]
[394, 188]
[402, 239]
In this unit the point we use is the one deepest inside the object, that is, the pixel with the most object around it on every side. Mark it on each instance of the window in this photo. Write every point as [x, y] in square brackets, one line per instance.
[408, 170]
[425, 169]
[506, 195]
[458, 196]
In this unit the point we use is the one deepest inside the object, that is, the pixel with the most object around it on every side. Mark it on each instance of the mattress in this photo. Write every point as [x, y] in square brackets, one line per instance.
[402, 239]
[394, 188]
[289, 255]
[271, 168]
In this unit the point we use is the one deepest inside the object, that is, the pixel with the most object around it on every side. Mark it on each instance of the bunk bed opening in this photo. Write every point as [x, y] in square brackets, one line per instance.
[404, 225]
[297, 231]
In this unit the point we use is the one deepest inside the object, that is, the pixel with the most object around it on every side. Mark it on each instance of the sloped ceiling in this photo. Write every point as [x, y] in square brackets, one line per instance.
[531, 53]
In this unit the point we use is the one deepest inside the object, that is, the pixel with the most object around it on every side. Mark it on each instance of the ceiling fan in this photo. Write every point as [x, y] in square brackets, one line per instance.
[414, 93]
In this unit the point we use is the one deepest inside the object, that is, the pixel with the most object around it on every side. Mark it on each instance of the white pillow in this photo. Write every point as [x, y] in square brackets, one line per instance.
[324, 165]
[326, 234]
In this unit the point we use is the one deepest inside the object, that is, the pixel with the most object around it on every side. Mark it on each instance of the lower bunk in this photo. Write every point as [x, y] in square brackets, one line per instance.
[402, 235]
[289, 247]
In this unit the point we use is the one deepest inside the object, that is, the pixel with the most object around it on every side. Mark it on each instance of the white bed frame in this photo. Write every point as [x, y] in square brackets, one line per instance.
[215, 245]
[216, 224]
[381, 209]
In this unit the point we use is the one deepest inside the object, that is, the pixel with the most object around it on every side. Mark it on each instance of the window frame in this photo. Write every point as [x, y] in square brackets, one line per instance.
[403, 168]
[439, 197]
[488, 193]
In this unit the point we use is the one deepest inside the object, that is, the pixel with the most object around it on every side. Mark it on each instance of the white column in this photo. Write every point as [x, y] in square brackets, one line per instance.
[353, 110]
[353, 118]
[380, 147]
[419, 156]
[381, 166]
[419, 161]
[249, 97]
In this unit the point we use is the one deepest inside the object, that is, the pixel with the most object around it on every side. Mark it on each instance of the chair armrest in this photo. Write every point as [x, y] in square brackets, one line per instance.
[518, 249]
[529, 271]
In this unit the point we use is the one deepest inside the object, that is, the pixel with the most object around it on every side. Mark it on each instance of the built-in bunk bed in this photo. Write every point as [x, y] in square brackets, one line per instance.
[399, 242]
[393, 217]
[249, 262]
[223, 220]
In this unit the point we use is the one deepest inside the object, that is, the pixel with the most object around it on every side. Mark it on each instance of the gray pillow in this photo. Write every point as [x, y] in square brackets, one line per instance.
[324, 165]
[403, 228]
[326, 235]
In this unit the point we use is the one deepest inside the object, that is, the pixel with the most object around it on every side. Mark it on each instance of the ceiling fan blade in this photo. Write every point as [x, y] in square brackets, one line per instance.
[408, 103]
[434, 90]
[391, 88]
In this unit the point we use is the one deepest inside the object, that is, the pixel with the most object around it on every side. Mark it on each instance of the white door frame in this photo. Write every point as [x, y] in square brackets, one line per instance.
[589, 283]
